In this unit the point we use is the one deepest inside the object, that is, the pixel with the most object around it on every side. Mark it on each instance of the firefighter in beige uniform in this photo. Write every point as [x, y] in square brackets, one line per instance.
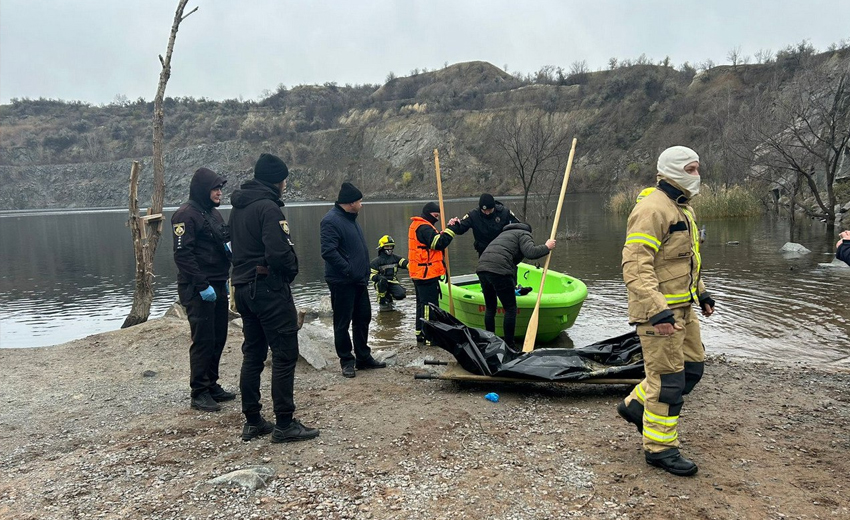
[661, 268]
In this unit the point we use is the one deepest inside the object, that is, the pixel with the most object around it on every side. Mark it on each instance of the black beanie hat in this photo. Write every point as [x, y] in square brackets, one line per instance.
[431, 207]
[486, 201]
[270, 168]
[348, 194]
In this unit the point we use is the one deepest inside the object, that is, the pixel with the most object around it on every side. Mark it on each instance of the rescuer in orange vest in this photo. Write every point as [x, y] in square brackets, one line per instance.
[425, 247]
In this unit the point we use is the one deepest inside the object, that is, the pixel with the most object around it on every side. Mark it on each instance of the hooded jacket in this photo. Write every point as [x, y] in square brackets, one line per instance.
[508, 249]
[260, 234]
[344, 248]
[661, 259]
[199, 250]
[485, 227]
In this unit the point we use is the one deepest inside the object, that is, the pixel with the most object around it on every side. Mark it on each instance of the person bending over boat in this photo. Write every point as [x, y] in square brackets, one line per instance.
[425, 247]
[661, 269]
[497, 273]
[842, 247]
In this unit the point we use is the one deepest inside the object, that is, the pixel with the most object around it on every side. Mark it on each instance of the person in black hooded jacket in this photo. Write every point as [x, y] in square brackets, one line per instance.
[264, 264]
[497, 274]
[203, 264]
[346, 273]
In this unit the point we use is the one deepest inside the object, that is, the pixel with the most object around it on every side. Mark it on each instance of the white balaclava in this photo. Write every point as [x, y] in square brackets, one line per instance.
[671, 167]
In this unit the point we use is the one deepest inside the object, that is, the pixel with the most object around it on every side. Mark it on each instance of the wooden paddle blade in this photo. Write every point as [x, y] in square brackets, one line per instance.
[530, 337]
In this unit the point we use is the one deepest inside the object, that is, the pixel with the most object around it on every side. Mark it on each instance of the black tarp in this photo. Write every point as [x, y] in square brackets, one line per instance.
[483, 353]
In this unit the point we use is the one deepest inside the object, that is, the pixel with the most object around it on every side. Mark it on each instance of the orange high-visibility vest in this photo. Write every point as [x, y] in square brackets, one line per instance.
[424, 263]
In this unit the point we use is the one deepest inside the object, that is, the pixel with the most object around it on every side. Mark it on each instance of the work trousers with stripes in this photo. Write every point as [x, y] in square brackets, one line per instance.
[673, 364]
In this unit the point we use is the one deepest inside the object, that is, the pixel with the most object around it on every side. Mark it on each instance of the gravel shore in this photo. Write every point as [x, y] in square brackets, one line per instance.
[101, 428]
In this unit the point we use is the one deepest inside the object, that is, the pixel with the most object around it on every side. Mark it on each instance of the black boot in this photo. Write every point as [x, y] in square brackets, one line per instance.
[672, 461]
[348, 371]
[632, 413]
[205, 403]
[294, 432]
[251, 431]
[220, 395]
[369, 364]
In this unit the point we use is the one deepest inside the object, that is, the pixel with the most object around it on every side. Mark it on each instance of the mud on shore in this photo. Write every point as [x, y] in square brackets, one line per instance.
[101, 428]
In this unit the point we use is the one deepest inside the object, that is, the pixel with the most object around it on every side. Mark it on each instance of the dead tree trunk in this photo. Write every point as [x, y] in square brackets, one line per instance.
[147, 230]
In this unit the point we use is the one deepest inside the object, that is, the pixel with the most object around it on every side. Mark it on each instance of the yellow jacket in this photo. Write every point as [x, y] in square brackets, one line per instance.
[661, 260]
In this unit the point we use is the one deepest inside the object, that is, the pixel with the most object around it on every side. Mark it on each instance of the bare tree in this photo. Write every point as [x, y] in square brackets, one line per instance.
[533, 141]
[147, 230]
[764, 56]
[801, 136]
[734, 56]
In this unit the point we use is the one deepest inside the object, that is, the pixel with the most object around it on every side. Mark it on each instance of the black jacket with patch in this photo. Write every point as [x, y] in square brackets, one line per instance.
[199, 251]
[485, 227]
[260, 234]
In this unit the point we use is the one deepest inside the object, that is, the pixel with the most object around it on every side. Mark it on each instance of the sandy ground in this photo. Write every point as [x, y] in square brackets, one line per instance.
[101, 428]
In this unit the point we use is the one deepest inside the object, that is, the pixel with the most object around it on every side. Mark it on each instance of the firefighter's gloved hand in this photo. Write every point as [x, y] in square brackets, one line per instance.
[706, 303]
[208, 294]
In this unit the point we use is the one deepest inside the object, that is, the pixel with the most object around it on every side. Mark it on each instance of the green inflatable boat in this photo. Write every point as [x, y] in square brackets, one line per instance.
[562, 298]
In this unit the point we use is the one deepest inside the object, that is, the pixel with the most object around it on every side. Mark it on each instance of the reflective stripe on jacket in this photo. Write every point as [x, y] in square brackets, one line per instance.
[661, 259]
[424, 263]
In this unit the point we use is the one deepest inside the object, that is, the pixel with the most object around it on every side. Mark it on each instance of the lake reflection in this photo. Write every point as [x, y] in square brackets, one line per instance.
[68, 275]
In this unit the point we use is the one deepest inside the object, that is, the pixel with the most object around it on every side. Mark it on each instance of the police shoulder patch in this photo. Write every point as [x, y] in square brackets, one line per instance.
[179, 229]
[284, 225]
[466, 216]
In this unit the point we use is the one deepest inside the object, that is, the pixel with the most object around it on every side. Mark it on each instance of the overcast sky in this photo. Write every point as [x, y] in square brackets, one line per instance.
[94, 50]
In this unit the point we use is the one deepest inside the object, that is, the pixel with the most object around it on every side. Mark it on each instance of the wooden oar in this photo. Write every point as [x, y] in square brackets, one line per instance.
[531, 332]
[442, 227]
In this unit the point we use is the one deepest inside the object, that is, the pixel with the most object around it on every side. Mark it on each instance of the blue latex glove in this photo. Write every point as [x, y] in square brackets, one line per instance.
[208, 294]
[493, 397]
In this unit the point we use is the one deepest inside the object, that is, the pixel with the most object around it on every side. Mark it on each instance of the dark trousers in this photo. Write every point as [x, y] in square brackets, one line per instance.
[208, 323]
[504, 288]
[269, 321]
[427, 291]
[389, 291]
[351, 307]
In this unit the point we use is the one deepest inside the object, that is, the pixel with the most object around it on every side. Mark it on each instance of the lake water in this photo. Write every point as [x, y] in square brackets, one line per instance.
[66, 275]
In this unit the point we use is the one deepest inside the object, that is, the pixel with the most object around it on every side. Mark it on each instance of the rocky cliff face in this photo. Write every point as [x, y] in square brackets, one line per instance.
[56, 154]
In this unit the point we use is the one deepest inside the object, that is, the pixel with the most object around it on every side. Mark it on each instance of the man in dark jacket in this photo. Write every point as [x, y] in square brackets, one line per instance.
[842, 247]
[347, 273]
[486, 222]
[264, 264]
[203, 264]
[497, 273]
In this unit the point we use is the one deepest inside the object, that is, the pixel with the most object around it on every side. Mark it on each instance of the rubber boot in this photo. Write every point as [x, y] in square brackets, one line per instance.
[672, 461]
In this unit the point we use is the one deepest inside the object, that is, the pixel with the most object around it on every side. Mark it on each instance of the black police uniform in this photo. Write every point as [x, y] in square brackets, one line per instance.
[485, 227]
[203, 260]
[264, 264]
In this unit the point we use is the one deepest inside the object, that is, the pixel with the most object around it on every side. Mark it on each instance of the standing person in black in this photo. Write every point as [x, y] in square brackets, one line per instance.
[497, 273]
[347, 273]
[203, 264]
[264, 264]
[486, 222]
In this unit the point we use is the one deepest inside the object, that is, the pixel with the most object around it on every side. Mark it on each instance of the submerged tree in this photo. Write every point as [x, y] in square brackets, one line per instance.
[147, 230]
[799, 137]
[535, 143]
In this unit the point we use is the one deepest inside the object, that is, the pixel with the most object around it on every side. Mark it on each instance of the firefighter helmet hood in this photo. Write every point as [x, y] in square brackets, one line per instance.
[385, 241]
